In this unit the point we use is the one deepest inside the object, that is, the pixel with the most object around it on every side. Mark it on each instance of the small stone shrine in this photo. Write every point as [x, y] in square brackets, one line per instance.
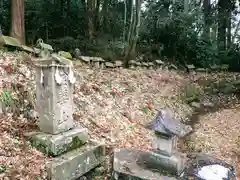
[74, 154]
[167, 131]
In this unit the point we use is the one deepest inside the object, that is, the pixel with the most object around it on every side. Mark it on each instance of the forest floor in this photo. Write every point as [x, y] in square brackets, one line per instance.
[113, 105]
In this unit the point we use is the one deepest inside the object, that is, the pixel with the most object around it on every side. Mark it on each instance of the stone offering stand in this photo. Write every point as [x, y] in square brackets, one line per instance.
[74, 154]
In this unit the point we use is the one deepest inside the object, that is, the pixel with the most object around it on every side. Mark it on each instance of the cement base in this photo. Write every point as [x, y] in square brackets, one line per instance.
[55, 145]
[76, 163]
[125, 167]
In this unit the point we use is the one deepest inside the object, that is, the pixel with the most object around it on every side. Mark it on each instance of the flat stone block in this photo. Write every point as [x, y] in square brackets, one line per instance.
[172, 164]
[76, 163]
[126, 167]
[55, 145]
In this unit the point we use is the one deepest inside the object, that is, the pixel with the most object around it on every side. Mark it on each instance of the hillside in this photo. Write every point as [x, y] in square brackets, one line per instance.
[112, 104]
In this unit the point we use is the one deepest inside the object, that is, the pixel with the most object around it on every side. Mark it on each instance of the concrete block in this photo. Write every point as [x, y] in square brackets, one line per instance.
[55, 145]
[76, 163]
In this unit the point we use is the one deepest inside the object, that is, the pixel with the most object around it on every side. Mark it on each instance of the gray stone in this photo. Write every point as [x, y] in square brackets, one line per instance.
[201, 70]
[97, 64]
[99, 170]
[191, 66]
[109, 65]
[76, 163]
[54, 145]
[54, 101]
[167, 125]
[195, 104]
[126, 167]
[164, 145]
[207, 104]
[172, 164]
[77, 53]
[118, 63]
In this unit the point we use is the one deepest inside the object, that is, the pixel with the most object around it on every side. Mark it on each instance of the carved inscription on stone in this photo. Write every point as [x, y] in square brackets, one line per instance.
[45, 99]
[63, 102]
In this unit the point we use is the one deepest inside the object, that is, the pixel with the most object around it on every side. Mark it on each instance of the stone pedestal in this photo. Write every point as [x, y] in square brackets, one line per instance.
[164, 144]
[173, 164]
[54, 102]
[74, 155]
[127, 166]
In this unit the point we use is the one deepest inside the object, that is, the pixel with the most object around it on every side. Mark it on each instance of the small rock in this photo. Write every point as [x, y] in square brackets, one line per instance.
[99, 170]
[195, 104]
[83, 178]
[207, 104]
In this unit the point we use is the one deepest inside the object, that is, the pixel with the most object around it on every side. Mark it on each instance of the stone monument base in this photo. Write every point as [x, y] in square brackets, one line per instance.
[76, 163]
[173, 164]
[125, 167]
[55, 145]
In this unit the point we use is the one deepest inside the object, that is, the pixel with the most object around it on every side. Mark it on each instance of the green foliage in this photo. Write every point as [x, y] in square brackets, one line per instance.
[6, 98]
[191, 93]
[167, 32]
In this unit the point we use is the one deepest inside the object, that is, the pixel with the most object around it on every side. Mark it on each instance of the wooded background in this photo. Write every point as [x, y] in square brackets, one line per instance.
[199, 32]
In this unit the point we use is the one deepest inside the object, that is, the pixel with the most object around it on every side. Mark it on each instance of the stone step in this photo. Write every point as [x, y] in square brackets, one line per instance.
[76, 163]
[55, 145]
[126, 167]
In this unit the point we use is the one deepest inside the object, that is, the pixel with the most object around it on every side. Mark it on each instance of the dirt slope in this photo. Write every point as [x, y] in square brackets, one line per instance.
[112, 104]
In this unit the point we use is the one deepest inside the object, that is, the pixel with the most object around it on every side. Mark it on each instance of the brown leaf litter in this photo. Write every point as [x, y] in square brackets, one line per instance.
[218, 134]
[113, 105]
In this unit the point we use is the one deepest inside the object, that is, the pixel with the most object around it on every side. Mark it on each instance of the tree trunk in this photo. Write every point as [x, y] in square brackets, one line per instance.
[229, 28]
[17, 26]
[221, 26]
[105, 13]
[91, 6]
[207, 18]
[129, 37]
[124, 27]
[136, 29]
[96, 19]
[186, 6]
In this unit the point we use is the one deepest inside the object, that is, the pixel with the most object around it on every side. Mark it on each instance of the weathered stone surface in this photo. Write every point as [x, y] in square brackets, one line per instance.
[27, 49]
[9, 41]
[167, 125]
[174, 164]
[164, 145]
[54, 145]
[109, 65]
[65, 54]
[125, 167]
[118, 63]
[76, 163]
[54, 101]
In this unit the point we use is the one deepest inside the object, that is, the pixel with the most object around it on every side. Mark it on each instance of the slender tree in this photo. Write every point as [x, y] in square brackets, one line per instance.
[17, 25]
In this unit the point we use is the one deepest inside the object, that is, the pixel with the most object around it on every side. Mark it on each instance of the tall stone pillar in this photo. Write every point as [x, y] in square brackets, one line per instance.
[74, 153]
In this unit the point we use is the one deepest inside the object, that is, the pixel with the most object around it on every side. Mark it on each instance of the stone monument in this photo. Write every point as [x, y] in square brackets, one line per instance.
[167, 131]
[59, 137]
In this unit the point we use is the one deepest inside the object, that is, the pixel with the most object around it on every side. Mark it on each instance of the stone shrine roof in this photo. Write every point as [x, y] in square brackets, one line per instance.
[166, 124]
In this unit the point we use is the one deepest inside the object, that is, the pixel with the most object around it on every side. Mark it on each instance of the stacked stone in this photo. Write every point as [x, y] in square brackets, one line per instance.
[167, 131]
[74, 154]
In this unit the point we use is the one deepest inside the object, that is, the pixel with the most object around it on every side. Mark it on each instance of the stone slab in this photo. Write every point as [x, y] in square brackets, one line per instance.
[172, 164]
[55, 145]
[126, 167]
[76, 163]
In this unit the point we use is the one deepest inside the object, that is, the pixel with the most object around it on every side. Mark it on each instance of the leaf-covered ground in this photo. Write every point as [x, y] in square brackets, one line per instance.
[113, 105]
